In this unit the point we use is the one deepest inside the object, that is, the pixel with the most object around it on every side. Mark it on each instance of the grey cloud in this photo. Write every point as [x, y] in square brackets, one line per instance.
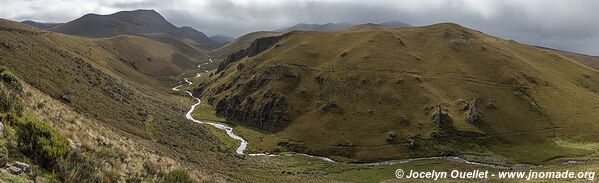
[562, 24]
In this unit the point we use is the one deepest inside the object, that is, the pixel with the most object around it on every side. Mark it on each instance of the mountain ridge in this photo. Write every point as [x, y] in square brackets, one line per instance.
[328, 27]
[136, 22]
[40, 25]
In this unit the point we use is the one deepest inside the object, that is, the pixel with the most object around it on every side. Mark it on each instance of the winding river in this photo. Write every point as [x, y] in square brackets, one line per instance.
[229, 130]
[244, 143]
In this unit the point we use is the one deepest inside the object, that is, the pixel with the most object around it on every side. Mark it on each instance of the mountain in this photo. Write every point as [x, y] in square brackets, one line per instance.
[199, 37]
[317, 27]
[137, 22]
[40, 25]
[94, 92]
[378, 94]
[384, 25]
[93, 98]
[591, 61]
[341, 26]
[146, 41]
[236, 45]
[221, 40]
[394, 24]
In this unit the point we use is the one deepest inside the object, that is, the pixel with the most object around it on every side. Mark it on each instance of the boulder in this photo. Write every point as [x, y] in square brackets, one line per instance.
[412, 144]
[391, 136]
[23, 166]
[491, 105]
[14, 170]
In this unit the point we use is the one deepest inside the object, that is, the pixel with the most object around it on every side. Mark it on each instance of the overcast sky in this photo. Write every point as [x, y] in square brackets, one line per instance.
[563, 24]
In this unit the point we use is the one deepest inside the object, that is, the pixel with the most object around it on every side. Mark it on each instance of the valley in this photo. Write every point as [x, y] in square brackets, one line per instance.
[130, 97]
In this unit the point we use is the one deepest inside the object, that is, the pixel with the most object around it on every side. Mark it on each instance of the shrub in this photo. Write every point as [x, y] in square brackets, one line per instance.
[10, 79]
[77, 167]
[177, 176]
[3, 153]
[111, 176]
[40, 142]
[9, 103]
[40, 105]
[5, 102]
[151, 168]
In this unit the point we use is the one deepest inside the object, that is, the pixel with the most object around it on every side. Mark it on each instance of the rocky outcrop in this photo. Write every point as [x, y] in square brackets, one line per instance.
[473, 114]
[441, 118]
[231, 59]
[257, 47]
[270, 112]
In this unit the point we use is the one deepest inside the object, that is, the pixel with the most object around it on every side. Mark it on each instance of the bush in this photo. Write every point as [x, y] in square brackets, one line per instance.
[10, 103]
[6, 102]
[177, 176]
[10, 79]
[3, 153]
[40, 142]
[111, 176]
[76, 167]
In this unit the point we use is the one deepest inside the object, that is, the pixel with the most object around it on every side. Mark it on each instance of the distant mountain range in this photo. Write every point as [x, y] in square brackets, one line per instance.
[40, 25]
[341, 26]
[220, 39]
[137, 22]
[588, 60]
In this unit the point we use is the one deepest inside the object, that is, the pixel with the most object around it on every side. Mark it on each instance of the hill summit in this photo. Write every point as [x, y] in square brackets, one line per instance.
[137, 22]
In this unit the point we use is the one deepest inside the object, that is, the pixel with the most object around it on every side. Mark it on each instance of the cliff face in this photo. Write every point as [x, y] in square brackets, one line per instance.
[270, 113]
[266, 109]
[258, 46]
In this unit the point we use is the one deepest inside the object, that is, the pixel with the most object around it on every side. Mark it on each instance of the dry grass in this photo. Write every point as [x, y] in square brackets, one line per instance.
[132, 158]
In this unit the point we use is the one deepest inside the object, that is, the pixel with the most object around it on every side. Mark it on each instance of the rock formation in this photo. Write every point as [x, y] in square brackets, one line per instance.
[439, 116]
[473, 114]
[257, 47]
[269, 113]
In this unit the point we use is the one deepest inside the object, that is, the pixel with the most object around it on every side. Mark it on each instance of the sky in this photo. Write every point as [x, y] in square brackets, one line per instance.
[570, 25]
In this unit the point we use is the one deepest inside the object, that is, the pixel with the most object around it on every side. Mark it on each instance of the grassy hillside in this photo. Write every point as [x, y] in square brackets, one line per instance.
[129, 123]
[331, 27]
[95, 83]
[238, 44]
[373, 94]
[187, 46]
[148, 57]
[591, 61]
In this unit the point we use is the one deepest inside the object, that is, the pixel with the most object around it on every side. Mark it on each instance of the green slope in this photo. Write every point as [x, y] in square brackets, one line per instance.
[341, 94]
